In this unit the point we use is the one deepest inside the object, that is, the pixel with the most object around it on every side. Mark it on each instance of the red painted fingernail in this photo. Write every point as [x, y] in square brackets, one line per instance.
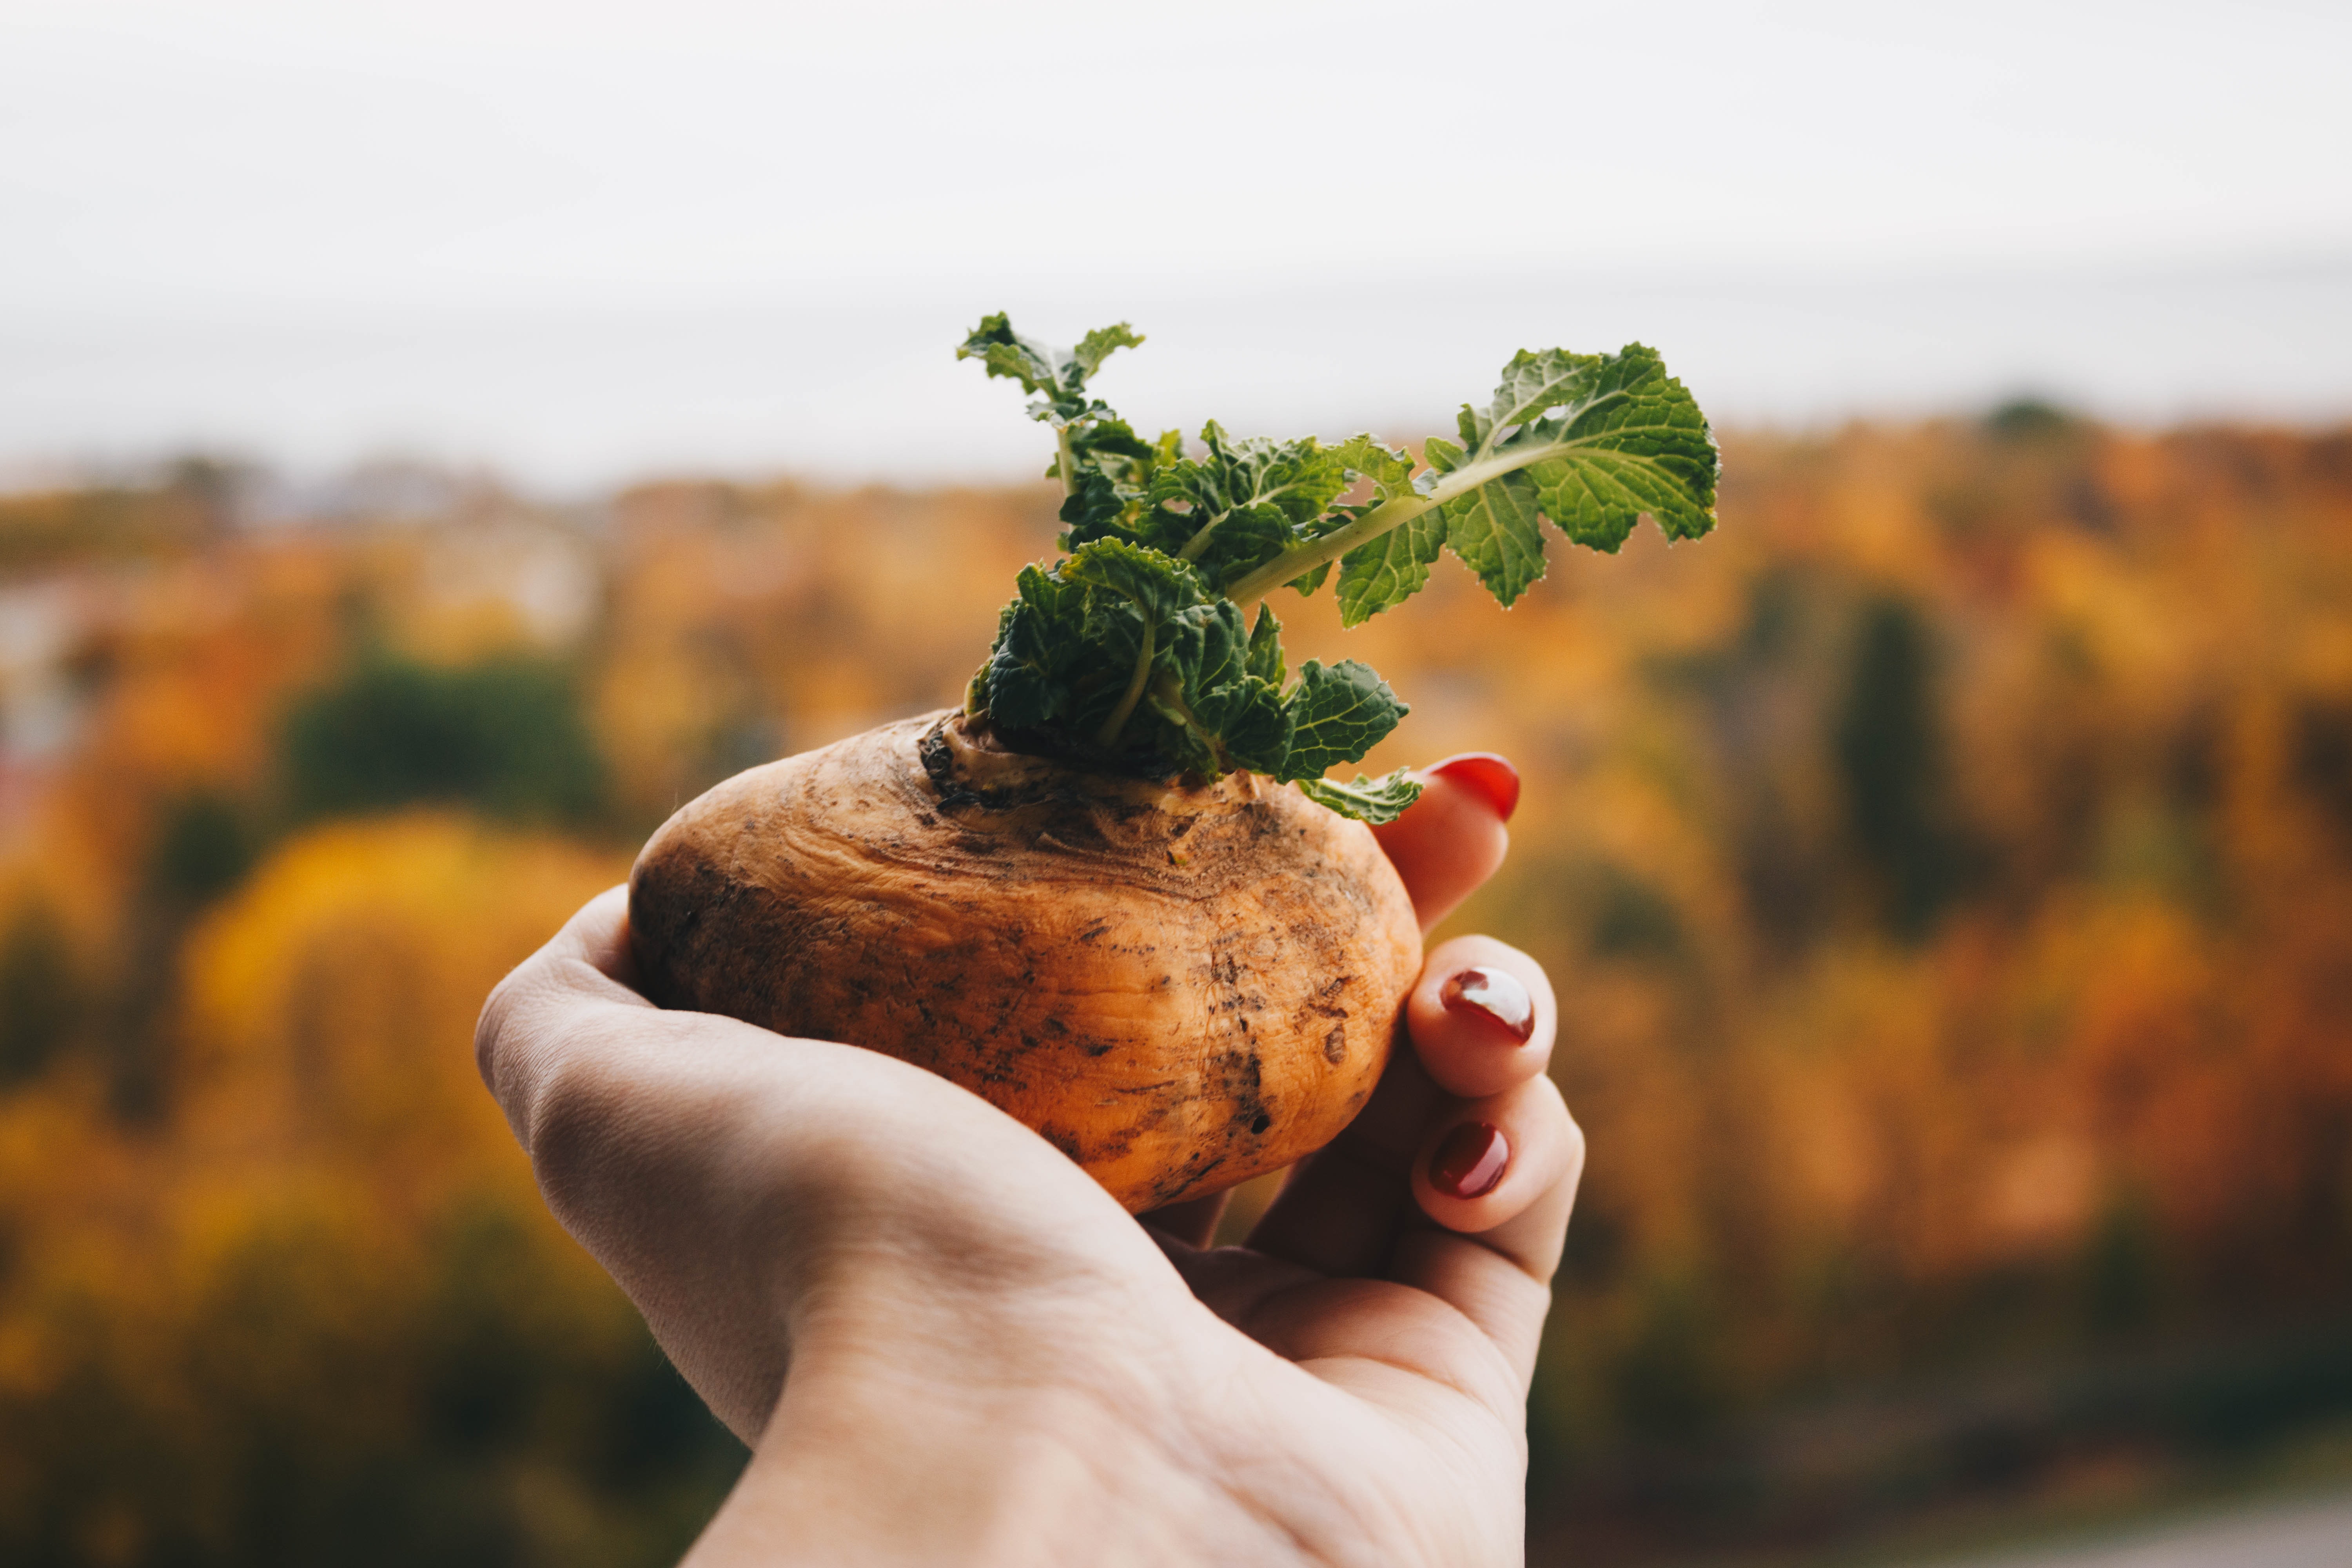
[1492, 993]
[1471, 1160]
[1490, 775]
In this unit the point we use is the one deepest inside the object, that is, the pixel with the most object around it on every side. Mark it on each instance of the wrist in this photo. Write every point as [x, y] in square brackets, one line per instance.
[969, 1445]
[901, 1472]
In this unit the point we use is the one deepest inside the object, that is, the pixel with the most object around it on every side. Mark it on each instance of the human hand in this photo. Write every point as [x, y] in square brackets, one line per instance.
[947, 1344]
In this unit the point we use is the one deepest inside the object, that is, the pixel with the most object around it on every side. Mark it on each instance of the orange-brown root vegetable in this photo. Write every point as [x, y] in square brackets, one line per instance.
[1180, 988]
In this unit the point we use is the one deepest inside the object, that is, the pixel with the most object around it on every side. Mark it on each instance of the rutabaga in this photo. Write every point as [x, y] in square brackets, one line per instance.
[1091, 896]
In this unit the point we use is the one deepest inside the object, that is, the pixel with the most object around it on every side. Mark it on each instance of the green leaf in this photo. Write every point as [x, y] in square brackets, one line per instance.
[1382, 799]
[1337, 714]
[1243, 725]
[1092, 510]
[1026, 680]
[1632, 442]
[1606, 438]
[1107, 438]
[1300, 478]
[1097, 345]
[1158, 584]
[1533, 384]
[1005, 352]
[1257, 727]
[1388, 467]
[1472, 425]
[1248, 537]
[1115, 467]
[1207, 651]
[1385, 572]
[1129, 588]
[1131, 652]
[1179, 736]
[1392, 568]
[1245, 501]
[1266, 648]
[1592, 442]
[1493, 528]
[1206, 684]
[1056, 378]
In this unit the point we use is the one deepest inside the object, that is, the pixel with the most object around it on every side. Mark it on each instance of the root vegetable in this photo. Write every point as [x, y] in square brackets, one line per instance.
[1115, 894]
[1179, 987]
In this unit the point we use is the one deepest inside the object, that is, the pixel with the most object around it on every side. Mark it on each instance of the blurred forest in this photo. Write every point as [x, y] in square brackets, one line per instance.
[1946, 869]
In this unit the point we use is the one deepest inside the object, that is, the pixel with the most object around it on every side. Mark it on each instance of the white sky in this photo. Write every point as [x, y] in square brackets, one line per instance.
[312, 230]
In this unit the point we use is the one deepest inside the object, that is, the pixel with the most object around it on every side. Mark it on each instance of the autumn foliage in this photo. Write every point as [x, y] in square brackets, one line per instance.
[1946, 870]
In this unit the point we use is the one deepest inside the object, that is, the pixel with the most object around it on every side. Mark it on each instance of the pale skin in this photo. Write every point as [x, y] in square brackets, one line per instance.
[946, 1344]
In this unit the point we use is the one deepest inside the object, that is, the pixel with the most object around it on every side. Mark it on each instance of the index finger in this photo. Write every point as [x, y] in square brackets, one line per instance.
[1341, 1209]
[1452, 838]
[588, 963]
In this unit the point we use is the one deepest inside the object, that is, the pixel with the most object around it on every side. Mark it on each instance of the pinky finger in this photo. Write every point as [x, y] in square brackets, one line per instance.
[1492, 1238]
[1503, 1171]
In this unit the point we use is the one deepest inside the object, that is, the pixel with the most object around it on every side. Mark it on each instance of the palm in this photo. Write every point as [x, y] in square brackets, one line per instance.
[1410, 1406]
[1359, 1417]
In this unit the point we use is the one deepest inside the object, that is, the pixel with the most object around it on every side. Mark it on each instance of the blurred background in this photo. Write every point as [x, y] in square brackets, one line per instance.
[437, 440]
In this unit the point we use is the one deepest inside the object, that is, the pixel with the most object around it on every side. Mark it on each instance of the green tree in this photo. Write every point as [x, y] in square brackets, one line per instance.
[505, 735]
[1888, 748]
[40, 995]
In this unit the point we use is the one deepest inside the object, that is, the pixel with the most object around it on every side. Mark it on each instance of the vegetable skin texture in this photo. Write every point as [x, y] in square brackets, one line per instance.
[1179, 987]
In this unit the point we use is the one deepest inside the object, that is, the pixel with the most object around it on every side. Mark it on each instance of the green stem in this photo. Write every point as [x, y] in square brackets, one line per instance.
[1305, 558]
[1068, 464]
[1200, 540]
[1171, 690]
[1107, 736]
[1392, 514]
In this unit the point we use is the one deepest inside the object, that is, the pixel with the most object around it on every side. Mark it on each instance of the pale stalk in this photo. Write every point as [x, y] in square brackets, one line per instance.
[1299, 562]
[1392, 514]
[1107, 736]
[1069, 463]
[1200, 540]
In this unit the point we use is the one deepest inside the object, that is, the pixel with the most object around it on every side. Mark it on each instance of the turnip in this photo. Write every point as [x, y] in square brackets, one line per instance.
[1114, 893]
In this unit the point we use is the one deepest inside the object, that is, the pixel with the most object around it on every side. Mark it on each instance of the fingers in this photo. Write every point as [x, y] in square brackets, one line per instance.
[1497, 1180]
[1342, 1211]
[723, 1174]
[599, 936]
[1339, 1211]
[1481, 1017]
[585, 968]
[1504, 1169]
[1457, 1179]
[624, 1112]
[1452, 839]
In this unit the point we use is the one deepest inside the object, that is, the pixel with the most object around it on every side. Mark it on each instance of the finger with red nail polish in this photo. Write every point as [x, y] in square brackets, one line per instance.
[1469, 1162]
[1451, 838]
[1494, 995]
[1489, 773]
[1481, 1017]
[1483, 1162]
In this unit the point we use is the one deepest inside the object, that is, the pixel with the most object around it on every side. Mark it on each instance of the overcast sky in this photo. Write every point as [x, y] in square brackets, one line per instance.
[586, 238]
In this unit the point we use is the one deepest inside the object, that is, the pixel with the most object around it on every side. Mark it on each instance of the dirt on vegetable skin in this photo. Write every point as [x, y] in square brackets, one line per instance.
[1180, 988]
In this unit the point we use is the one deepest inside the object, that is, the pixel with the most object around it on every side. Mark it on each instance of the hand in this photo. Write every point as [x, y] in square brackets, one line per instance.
[947, 1344]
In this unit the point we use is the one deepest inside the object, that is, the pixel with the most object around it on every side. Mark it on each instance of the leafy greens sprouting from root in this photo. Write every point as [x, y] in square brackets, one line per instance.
[1132, 653]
